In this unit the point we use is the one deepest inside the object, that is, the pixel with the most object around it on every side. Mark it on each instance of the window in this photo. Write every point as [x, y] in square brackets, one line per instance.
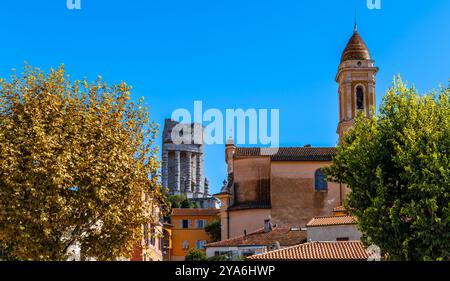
[228, 254]
[342, 239]
[200, 244]
[146, 233]
[248, 253]
[320, 182]
[160, 244]
[185, 224]
[152, 236]
[185, 245]
[359, 98]
[201, 223]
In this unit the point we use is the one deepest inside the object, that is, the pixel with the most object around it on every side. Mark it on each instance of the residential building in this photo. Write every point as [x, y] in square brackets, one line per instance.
[151, 247]
[261, 241]
[333, 228]
[319, 251]
[167, 241]
[188, 231]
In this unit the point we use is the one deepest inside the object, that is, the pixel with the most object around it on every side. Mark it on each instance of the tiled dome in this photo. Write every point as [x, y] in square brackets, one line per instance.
[356, 49]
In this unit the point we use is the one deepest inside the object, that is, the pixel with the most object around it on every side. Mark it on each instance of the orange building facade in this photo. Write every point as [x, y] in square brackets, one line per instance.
[188, 231]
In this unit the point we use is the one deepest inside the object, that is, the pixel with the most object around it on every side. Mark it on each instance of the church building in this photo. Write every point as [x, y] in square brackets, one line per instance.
[289, 187]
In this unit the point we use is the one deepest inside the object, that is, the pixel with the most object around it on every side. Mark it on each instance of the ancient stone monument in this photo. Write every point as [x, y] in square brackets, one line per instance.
[183, 163]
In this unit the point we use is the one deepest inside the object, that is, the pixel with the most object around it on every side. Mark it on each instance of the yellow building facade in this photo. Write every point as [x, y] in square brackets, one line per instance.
[188, 230]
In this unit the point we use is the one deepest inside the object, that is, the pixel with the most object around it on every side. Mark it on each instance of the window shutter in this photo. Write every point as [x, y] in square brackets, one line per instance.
[190, 223]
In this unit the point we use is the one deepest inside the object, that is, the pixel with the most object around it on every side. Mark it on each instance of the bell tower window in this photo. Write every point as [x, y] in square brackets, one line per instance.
[359, 98]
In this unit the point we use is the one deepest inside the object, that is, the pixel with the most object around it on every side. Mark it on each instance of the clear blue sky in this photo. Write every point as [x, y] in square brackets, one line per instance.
[231, 53]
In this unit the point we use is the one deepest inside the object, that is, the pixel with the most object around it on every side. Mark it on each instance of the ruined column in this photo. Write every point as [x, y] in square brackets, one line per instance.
[189, 172]
[177, 188]
[199, 175]
[206, 186]
[165, 168]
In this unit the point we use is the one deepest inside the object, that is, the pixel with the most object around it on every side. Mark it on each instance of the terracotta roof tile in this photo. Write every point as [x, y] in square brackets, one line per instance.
[289, 153]
[194, 212]
[339, 209]
[356, 49]
[285, 236]
[331, 220]
[346, 250]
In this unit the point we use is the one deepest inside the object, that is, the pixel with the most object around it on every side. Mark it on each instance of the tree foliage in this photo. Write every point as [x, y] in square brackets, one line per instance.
[181, 201]
[214, 230]
[397, 166]
[195, 255]
[76, 160]
[176, 201]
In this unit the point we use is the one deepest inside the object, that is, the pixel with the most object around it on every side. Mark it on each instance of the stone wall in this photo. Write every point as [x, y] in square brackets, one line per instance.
[333, 233]
[293, 196]
[249, 220]
[252, 181]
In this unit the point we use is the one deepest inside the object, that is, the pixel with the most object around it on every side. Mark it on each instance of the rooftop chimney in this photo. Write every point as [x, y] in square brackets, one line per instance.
[277, 245]
[268, 225]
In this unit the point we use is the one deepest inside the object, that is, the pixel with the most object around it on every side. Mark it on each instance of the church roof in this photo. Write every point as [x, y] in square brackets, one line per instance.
[289, 153]
[356, 49]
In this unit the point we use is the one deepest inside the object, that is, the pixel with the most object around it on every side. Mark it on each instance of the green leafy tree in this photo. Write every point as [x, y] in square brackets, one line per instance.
[181, 201]
[178, 201]
[214, 230]
[187, 204]
[397, 166]
[195, 255]
[76, 161]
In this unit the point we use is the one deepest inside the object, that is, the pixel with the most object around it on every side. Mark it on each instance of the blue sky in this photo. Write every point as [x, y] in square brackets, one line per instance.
[231, 53]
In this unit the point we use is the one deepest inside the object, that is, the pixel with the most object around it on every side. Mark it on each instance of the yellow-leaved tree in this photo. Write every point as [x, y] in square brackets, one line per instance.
[77, 160]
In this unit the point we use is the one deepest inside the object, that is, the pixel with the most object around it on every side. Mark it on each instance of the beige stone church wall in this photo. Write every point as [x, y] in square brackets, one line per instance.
[252, 179]
[249, 220]
[294, 199]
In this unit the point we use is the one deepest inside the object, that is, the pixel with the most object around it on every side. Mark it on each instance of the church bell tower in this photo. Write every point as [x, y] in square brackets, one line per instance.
[356, 79]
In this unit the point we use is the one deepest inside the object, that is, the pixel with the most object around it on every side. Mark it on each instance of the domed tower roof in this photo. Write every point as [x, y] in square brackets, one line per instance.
[356, 49]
